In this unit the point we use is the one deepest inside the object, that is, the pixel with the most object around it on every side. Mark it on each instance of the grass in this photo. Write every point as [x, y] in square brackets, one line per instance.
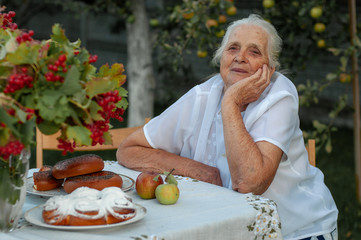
[338, 168]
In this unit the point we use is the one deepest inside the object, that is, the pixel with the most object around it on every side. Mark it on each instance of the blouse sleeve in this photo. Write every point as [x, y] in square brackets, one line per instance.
[275, 118]
[170, 130]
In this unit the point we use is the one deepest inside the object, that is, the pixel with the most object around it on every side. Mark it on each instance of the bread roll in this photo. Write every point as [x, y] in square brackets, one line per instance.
[97, 180]
[44, 181]
[76, 166]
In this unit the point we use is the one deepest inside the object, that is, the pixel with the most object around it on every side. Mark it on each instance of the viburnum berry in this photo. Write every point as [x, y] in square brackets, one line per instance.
[18, 81]
[98, 128]
[11, 148]
[117, 114]
[66, 145]
[25, 37]
[7, 21]
[93, 58]
[55, 68]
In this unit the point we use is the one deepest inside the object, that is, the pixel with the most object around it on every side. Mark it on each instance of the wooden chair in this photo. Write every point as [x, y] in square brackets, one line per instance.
[311, 149]
[49, 142]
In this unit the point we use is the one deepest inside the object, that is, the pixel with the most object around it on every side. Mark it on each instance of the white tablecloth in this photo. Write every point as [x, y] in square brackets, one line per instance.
[203, 211]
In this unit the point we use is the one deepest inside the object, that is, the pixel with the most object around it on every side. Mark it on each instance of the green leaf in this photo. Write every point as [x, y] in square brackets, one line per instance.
[94, 111]
[107, 138]
[71, 83]
[80, 134]
[122, 103]
[115, 73]
[98, 86]
[28, 131]
[24, 54]
[48, 128]
[58, 34]
[53, 106]
[9, 121]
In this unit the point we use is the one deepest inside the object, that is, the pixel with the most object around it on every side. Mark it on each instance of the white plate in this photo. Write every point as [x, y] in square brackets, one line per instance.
[34, 216]
[128, 184]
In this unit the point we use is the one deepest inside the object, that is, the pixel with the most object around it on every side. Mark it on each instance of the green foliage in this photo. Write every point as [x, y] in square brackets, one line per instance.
[69, 98]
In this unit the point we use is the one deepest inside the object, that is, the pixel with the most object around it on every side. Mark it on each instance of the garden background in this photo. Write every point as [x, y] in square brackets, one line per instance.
[316, 57]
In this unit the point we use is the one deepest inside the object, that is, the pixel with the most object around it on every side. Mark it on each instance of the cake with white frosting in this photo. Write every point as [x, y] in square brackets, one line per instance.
[87, 206]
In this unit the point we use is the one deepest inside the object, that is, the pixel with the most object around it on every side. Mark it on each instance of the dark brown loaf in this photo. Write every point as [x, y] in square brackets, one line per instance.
[76, 166]
[97, 180]
[44, 181]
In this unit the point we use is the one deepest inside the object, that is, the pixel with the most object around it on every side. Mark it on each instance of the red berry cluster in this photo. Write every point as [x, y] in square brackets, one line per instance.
[66, 146]
[30, 113]
[58, 66]
[7, 20]
[117, 114]
[19, 81]
[108, 100]
[98, 128]
[11, 148]
[93, 58]
[25, 37]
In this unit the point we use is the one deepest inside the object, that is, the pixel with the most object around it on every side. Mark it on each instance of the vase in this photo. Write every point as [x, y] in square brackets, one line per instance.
[13, 175]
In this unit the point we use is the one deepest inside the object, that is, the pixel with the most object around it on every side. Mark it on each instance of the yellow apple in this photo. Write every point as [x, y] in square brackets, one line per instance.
[222, 19]
[231, 11]
[211, 23]
[321, 43]
[202, 54]
[345, 78]
[167, 193]
[268, 3]
[316, 12]
[188, 15]
[319, 27]
[220, 33]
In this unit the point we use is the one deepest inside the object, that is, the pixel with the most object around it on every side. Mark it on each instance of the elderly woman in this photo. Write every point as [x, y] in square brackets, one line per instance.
[240, 129]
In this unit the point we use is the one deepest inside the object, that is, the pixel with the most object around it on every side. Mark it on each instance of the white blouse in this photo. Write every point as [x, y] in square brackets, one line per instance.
[192, 127]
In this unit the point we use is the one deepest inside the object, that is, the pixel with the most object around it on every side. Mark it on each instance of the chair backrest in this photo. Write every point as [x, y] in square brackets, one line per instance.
[311, 149]
[50, 142]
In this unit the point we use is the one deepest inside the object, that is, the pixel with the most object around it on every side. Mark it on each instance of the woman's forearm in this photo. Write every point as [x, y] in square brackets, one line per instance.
[139, 157]
[252, 165]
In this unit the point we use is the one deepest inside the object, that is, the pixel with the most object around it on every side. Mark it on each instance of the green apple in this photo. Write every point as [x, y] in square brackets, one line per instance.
[167, 194]
[146, 184]
[154, 22]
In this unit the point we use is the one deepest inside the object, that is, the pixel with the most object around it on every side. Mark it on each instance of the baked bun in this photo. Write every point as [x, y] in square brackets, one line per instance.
[76, 166]
[45, 168]
[86, 206]
[44, 181]
[97, 180]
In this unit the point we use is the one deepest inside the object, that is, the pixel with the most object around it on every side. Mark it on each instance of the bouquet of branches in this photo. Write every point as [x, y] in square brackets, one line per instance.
[52, 84]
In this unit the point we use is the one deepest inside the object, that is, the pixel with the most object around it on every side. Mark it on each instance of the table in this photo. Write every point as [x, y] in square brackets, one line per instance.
[203, 211]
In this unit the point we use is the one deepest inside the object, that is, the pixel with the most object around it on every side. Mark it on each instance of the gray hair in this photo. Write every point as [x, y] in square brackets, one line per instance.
[274, 41]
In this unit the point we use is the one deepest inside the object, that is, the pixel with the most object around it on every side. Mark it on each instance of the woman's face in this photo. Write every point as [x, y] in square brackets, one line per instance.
[245, 52]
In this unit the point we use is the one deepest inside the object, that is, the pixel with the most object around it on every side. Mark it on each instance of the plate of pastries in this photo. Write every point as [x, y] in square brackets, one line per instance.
[69, 174]
[86, 208]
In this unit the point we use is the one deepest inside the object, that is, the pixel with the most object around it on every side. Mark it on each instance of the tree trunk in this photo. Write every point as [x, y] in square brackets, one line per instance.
[139, 69]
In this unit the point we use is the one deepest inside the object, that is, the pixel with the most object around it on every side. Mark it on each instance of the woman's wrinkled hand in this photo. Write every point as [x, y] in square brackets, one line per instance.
[249, 89]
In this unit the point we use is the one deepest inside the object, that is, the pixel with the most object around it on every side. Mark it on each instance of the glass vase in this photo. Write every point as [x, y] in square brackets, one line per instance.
[13, 175]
